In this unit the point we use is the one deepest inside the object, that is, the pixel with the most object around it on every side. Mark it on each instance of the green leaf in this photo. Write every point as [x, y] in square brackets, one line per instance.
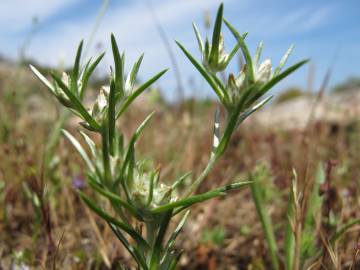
[115, 199]
[90, 144]
[289, 242]
[87, 74]
[119, 66]
[151, 189]
[175, 234]
[43, 79]
[130, 80]
[135, 253]
[258, 54]
[265, 222]
[155, 256]
[245, 50]
[232, 53]
[203, 72]
[138, 91]
[284, 60]
[198, 38]
[76, 103]
[187, 202]
[277, 79]
[339, 233]
[106, 153]
[80, 149]
[111, 117]
[178, 182]
[214, 54]
[253, 109]
[136, 236]
[76, 70]
[130, 152]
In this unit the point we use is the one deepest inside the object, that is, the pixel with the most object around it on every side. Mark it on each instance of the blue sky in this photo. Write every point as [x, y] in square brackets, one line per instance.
[327, 31]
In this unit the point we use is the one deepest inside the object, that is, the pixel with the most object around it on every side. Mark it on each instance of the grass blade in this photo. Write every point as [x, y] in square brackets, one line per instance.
[266, 223]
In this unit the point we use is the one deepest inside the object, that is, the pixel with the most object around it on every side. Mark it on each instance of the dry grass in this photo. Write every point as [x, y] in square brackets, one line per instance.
[56, 230]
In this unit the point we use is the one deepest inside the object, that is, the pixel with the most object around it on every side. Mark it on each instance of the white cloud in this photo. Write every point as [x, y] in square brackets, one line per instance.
[133, 26]
[274, 23]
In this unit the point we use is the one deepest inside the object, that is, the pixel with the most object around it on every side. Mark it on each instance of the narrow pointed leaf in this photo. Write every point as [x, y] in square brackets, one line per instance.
[88, 72]
[43, 79]
[245, 50]
[111, 117]
[135, 253]
[133, 73]
[266, 223]
[253, 109]
[203, 72]
[284, 60]
[76, 103]
[90, 144]
[277, 79]
[151, 190]
[106, 154]
[258, 52]
[119, 66]
[80, 149]
[178, 182]
[198, 38]
[232, 53]
[214, 54]
[199, 198]
[176, 232]
[138, 91]
[136, 236]
[115, 198]
[76, 70]
[155, 257]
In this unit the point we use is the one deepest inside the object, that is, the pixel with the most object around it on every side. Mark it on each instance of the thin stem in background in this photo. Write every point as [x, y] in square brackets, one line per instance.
[170, 52]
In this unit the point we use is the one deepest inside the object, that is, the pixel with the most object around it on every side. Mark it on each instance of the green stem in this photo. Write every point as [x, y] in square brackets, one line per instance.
[202, 176]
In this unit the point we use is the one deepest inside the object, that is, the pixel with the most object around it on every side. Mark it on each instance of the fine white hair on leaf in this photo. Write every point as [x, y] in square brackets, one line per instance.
[216, 141]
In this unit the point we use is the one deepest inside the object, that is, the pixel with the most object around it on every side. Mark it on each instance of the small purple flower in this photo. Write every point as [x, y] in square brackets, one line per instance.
[78, 182]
